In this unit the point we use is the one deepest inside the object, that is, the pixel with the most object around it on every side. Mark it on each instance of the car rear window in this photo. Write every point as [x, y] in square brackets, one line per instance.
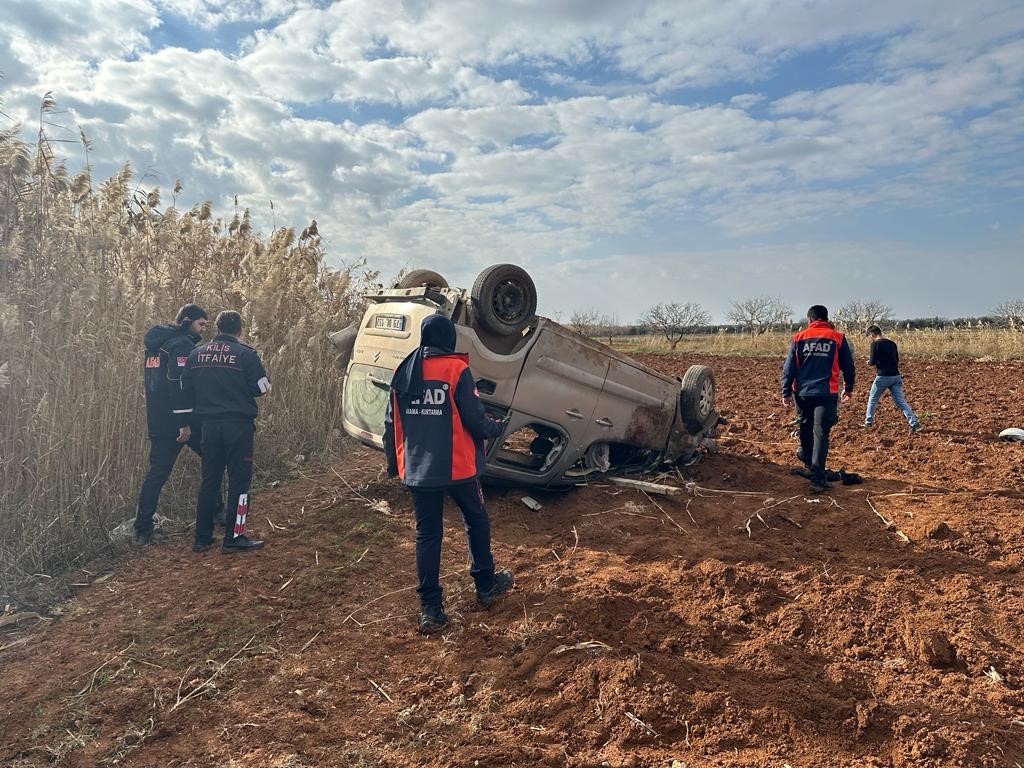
[366, 397]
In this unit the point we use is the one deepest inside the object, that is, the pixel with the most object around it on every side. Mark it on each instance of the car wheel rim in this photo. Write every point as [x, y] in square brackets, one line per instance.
[509, 302]
[707, 397]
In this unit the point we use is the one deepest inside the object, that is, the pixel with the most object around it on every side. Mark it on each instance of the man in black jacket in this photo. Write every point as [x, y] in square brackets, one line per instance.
[219, 385]
[885, 356]
[167, 347]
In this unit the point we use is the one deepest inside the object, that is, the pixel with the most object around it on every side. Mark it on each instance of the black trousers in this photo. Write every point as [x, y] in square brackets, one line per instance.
[163, 453]
[429, 505]
[817, 417]
[226, 445]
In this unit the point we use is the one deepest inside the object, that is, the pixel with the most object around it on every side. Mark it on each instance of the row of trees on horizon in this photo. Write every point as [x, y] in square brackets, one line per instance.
[762, 314]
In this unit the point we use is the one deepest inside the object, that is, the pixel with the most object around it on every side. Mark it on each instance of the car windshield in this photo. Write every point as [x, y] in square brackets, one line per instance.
[366, 397]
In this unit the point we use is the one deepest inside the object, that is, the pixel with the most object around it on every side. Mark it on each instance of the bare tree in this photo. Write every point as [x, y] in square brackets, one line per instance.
[584, 321]
[1011, 312]
[760, 313]
[858, 315]
[673, 321]
[592, 322]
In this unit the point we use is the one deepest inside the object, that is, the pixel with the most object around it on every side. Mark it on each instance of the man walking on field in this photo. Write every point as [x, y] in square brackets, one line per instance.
[434, 431]
[167, 347]
[885, 356]
[810, 375]
[220, 384]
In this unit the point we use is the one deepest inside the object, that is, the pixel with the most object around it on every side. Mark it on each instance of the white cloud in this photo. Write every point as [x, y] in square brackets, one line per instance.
[535, 131]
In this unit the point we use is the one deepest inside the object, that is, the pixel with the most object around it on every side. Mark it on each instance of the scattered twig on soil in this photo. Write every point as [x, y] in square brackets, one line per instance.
[993, 675]
[640, 485]
[361, 556]
[14, 643]
[274, 527]
[689, 501]
[349, 486]
[556, 555]
[576, 543]
[281, 588]
[368, 603]
[96, 671]
[585, 645]
[666, 514]
[789, 520]
[889, 524]
[698, 490]
[641, 723]
[17, 618]
[381, 691]
[310, 641]
[618, 511]
[207, 683]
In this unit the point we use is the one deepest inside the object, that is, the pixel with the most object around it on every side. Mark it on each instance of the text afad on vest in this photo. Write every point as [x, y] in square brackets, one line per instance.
[817, 348]
[436, 396]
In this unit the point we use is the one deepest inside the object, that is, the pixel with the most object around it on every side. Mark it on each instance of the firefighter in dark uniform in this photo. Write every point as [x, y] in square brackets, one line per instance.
[220, 384]
[434, 431]
[817, 356]
[167, 347]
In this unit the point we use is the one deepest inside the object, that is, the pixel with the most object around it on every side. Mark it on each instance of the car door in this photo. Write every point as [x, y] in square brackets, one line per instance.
[560, 384]
[634, 408]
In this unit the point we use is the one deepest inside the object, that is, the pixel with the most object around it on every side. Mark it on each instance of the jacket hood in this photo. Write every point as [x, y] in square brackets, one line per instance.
[437, 336]
[157, 335]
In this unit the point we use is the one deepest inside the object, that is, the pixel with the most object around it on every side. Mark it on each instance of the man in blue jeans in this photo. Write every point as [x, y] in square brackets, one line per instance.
[885, 356]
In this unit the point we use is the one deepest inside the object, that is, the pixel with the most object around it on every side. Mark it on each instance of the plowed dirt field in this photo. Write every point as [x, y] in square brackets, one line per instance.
[742, 622]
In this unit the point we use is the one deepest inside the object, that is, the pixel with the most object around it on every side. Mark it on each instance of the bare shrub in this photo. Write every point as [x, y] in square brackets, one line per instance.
[673, 321]
[1011, 313]
[858, 315]
[760, 314]
[592, 322]
[84, 270]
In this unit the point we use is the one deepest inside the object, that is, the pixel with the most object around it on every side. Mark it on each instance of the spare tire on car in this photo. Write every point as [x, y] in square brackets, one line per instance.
[504, 299]
[422, 278]
[697, 399]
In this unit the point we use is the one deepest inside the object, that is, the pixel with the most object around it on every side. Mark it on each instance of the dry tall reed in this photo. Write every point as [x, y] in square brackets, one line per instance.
[84, 270]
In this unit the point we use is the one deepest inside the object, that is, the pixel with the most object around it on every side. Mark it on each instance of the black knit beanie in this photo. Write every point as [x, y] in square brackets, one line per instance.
[188, 314]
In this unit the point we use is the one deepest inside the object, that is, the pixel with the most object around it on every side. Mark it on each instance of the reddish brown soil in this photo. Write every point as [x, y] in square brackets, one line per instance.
[812, 636]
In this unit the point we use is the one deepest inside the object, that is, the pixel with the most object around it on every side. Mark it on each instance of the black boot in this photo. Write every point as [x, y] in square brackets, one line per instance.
[502, 583]
[240, 544]
[432, 619]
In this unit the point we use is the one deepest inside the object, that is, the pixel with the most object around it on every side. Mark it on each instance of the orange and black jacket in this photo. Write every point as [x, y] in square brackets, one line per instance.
[816, 357]
[436, 439]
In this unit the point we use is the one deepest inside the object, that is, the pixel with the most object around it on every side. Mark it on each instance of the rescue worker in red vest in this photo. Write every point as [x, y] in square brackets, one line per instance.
[434, 431]
[167, 347]
[817, 355]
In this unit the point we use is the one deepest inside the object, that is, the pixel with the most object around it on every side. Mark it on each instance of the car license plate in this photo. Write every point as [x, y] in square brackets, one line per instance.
[389, 322]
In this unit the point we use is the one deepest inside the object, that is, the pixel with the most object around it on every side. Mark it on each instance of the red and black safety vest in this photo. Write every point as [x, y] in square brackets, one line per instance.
[436, 439]
[816, 357]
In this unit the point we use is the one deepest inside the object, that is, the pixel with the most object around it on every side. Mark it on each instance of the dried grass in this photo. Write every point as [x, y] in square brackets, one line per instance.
[977, 340]
[84, 271]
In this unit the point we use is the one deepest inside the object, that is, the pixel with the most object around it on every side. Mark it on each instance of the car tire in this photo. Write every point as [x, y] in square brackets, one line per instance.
[504, 299]
[420, 278]
[697, 399]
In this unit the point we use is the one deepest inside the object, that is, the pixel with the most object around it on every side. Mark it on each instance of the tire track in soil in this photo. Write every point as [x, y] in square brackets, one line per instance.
[835, 643]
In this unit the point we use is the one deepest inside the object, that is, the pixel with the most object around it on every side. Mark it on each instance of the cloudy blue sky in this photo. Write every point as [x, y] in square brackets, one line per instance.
[626, 153]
